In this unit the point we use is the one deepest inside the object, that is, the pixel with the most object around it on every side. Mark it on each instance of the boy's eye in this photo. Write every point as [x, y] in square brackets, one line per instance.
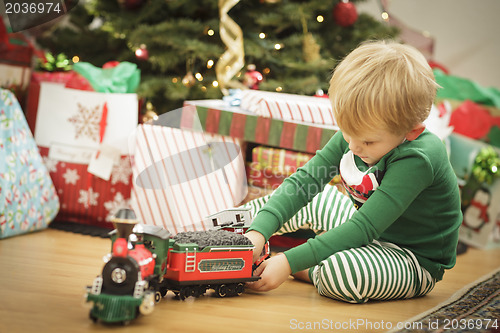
[367, 143]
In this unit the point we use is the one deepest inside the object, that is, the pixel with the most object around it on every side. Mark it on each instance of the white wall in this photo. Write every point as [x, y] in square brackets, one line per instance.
[466, 33]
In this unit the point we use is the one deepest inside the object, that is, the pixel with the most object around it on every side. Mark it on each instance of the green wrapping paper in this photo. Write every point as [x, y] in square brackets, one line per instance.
[123, 78]
[218, 118]
[461, 89]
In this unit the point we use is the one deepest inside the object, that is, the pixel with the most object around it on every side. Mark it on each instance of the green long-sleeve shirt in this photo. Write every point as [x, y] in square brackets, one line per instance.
[415, 204]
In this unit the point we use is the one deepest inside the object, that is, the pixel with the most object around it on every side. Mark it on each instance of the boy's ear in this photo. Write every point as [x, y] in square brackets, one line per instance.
[415, 132]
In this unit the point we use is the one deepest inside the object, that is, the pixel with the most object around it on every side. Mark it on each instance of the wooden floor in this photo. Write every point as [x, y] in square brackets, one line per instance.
[43, 276]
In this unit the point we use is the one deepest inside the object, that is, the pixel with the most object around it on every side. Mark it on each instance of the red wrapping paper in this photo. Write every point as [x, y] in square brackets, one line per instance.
[472, 120]
[15, 63]
[85, 198]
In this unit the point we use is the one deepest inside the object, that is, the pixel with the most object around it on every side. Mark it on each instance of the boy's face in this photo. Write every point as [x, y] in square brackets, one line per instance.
[373, 144]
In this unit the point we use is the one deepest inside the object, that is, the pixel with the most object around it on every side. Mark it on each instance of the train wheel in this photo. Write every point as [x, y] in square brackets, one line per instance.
[198, 291]
[193, 291]
[188, 291]
[240, 288]
[163, 291]
[156, 291]
[221, 290]
[148, 304]
[92, 317]
[183, 293]
[158, 297]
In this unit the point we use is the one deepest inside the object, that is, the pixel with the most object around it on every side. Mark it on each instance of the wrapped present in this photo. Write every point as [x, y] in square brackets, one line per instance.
[182, 176]
[280, 161]
[37, 78]
[473, 120]
[270, 166]
[477, 166]
[217, 117]
[28, 199]
[305, 109]
[123, 77]
[264, 177]
[15, 64]
[83, 138]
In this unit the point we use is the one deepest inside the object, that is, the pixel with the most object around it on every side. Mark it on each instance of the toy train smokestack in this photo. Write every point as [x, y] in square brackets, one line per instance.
[124, 221]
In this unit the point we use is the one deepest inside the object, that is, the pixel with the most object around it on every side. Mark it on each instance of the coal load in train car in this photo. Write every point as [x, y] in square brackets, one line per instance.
[212, 238]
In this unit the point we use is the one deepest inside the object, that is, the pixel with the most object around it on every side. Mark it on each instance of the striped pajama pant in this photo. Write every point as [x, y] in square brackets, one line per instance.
[377, 271]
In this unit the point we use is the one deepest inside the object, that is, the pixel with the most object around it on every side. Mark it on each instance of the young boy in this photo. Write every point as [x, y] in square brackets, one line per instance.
[398, 232]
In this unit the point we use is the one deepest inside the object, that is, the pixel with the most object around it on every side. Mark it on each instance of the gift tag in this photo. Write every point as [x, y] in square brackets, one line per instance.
[101, 163]
[68, 153]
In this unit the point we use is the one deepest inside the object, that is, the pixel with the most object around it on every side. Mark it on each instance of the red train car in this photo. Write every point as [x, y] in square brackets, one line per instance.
[223, 268]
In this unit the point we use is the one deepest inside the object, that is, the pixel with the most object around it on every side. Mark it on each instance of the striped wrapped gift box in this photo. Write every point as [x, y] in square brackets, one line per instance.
[306, 109]
[182, 176]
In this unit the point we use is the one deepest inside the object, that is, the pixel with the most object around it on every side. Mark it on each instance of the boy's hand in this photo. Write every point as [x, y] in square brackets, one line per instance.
[273, 272]
[258, 241]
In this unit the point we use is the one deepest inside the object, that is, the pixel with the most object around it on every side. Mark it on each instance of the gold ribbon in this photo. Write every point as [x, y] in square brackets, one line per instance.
[232, 60]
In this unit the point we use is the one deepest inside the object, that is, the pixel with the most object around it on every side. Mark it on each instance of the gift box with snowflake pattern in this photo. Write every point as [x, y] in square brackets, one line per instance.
[83, 138]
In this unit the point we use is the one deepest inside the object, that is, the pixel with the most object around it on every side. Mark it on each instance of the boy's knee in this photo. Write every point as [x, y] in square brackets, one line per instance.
[330, 280]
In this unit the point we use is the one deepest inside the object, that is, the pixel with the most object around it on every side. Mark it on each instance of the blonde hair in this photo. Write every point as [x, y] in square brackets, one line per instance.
[384, 85]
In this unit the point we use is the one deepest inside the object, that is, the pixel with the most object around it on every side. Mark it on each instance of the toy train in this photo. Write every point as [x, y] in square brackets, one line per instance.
[147, 261]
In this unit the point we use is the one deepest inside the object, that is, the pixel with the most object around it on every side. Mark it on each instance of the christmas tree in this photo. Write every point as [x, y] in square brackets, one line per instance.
[190, 50]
